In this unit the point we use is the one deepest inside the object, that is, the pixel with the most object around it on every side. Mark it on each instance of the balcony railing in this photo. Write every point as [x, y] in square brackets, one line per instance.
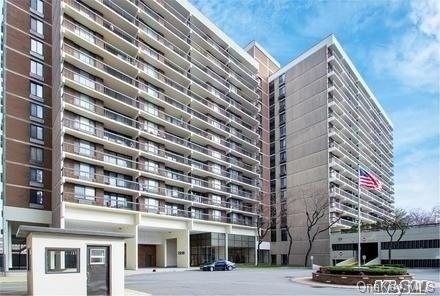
[141, 207]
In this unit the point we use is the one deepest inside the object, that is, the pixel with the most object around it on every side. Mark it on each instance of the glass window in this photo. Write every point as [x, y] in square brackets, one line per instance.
[37, 5]
[36, 68]
[282, 131]
[36, 197]
[282, 144]
[282, 79]
[283, 169]
[62, 260]
[36, 26]
[97, 256]
[36, 154]
[283, 182]
[36, 132]
[36, 175]
[36, 90]
[282, 92]
[36, 46]
[36, 111]
[82, 192]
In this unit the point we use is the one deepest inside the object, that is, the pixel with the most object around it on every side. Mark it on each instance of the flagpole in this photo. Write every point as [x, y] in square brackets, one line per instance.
[359, 216]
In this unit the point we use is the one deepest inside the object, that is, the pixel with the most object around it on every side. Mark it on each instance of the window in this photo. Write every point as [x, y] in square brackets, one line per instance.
[282, 131]
[282, 79]
[36, 26]
[216, 199]
[273, 235]
[283, 182]
[36, 155]
[36, 68]
[36, 197]
[62, 260]
[151, 166]
[282, 92]
[37, 5]
[36, 111]
[151, 127]
[85, 171]
[115, 200]
[152, 109]
[37, 47]
[152, 204]
[97, 256]
[152, 147]
[85, 148]
[36, 175]
[284, 259]
[216, 168]
[151, 185]
[283, 169]
[36, 132]
[283, 144]
[36, 90]
[282, 118]
[86, 124]
[84, 193]
[283, 156]
[216, 184]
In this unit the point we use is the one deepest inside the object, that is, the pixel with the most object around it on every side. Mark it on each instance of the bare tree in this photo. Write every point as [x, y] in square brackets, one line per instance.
[315, 214]
[394, 226]
[419, 216]
[263, 227]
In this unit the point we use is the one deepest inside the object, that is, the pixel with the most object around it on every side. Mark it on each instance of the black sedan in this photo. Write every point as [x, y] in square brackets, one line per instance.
[218, 265]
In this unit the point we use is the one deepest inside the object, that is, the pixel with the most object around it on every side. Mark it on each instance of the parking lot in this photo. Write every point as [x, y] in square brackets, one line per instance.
[245, 281]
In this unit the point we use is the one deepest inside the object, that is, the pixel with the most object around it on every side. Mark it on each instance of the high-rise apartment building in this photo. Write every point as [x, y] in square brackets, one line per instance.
[325, 124]
[152, 128]
[141, 116]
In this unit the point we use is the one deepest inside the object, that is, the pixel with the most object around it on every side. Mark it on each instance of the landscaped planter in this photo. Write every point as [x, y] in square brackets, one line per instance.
[324, 276]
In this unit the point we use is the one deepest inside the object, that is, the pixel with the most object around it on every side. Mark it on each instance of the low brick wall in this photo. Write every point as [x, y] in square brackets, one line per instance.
[342, 279]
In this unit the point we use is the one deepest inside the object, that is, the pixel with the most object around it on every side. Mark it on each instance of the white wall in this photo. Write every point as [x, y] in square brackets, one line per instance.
[71, 283]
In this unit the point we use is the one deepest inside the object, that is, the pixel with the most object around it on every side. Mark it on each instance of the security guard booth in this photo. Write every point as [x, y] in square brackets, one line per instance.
[74, 262]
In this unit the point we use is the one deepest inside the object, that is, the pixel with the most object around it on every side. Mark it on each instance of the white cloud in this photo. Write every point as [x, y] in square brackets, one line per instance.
[417, 157]
[417, 183]
[413, 57]
[414, 126]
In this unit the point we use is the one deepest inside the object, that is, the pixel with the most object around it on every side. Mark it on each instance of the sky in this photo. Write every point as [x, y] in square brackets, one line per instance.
[395, 45]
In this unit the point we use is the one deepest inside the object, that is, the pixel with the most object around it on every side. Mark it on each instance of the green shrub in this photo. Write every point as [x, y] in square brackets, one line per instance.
[366, 270]
[387, 265]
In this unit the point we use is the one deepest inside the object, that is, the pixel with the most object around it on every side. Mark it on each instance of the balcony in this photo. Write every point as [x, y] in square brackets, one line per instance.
[144, 208]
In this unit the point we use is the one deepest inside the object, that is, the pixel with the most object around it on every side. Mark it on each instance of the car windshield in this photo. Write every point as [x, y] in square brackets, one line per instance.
[209, 263]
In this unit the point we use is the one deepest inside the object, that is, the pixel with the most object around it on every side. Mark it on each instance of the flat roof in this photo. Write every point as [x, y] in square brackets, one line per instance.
[331, 40]
[25, 230]
[263, 50]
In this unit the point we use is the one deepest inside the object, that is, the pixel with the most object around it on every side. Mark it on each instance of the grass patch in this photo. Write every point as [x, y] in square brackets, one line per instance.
[366, 270]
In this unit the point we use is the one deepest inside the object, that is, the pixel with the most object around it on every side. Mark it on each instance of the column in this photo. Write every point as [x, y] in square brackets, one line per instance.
[226, 246]
[132, 248]
[255, 252]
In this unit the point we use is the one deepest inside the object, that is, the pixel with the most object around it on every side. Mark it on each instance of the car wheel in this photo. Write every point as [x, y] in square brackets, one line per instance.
[229, 268]
[211, 268]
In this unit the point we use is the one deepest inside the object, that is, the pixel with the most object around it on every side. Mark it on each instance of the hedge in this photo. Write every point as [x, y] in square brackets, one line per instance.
[377, 270]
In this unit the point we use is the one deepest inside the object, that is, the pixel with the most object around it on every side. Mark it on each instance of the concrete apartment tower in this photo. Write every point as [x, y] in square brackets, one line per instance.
[325, 122]
[150, 115]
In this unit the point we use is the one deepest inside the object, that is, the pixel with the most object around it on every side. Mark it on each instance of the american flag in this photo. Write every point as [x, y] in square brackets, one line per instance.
[368, 180]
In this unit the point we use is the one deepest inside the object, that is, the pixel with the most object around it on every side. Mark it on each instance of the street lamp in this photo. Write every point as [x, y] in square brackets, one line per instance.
[311, 260]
